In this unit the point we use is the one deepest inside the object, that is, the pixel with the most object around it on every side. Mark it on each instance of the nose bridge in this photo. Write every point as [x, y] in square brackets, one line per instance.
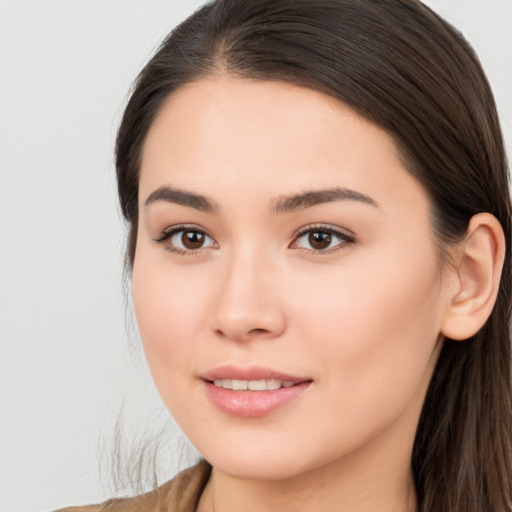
[248, 299]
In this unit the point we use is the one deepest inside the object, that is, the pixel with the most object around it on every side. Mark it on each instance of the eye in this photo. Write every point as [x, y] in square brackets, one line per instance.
[321, 239]
[183, 239]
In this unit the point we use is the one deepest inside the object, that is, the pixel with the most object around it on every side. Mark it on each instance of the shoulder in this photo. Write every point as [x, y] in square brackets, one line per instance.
[180, 494]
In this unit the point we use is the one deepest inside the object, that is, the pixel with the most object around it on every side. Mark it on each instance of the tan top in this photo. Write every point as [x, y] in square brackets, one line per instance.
[181, 494]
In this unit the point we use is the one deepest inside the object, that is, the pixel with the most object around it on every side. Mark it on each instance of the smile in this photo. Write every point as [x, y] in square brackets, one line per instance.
[254, 391]
[253, 385]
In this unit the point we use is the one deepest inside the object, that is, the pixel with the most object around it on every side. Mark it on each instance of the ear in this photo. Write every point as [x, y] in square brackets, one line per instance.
[478, 266]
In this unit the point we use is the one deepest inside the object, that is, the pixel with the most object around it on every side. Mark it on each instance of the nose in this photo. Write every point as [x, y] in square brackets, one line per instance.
[248, 303]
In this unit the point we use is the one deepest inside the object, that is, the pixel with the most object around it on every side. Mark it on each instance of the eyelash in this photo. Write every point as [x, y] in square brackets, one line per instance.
[184, 228]
[344, 238]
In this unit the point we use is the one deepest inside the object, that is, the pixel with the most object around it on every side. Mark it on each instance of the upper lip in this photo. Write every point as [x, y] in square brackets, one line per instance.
[249, 373]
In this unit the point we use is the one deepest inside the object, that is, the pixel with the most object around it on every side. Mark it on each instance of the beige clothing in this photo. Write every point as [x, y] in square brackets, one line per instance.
[181, 494]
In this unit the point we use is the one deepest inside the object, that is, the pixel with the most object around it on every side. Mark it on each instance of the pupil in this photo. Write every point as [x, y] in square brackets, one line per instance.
[192, 239]
[320, 239]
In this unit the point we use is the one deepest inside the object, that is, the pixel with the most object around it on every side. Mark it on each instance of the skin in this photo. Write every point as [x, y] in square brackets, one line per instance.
[363, 320]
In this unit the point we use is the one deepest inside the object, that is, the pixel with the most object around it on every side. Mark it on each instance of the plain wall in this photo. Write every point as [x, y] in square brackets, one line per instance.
[67, 360]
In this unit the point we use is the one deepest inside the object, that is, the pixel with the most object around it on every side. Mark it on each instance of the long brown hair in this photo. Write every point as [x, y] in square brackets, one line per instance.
[401, 66]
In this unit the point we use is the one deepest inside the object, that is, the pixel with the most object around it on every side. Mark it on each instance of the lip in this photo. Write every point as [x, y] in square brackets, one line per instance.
[252, 404]
[249, 373]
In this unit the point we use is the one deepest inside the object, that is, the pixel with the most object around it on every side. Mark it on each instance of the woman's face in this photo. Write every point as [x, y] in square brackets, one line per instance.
[282, 242]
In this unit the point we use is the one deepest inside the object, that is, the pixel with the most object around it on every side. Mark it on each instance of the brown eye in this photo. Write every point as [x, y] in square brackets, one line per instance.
[182, 240]
[319, 240]
[192, 239]
[322, 240]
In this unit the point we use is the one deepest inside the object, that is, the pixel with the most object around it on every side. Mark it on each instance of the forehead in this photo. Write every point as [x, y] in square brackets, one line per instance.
[271, 137]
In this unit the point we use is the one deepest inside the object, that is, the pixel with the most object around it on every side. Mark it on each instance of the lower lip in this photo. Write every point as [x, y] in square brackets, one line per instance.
[251, 404]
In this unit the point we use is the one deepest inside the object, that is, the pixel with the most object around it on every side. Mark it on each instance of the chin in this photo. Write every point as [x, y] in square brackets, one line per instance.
[250, 469]
[257, 462]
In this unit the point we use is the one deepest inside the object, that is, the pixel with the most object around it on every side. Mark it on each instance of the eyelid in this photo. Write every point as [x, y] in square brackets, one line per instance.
[346, 237]
[169, 232]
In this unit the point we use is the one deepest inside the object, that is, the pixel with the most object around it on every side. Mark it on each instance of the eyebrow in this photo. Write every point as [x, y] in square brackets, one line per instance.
[283, 204]
[287, 204]
[174, 195]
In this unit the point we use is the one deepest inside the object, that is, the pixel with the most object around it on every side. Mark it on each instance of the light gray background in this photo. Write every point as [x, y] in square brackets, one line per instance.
[65, 360]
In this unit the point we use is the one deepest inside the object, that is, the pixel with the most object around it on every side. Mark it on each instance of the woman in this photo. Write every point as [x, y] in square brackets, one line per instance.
[319, 242]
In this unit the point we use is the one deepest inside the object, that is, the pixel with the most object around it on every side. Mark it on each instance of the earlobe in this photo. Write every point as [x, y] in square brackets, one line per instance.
[478, 271]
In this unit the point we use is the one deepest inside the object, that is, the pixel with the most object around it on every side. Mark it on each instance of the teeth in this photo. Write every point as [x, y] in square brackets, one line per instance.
[226, 384]
[252, 385]
[273, 384]
[257, 385]
[239, 385]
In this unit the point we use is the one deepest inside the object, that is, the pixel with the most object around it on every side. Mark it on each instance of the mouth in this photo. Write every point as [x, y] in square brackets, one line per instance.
[252, 392]
[253, 385]
[253, 378]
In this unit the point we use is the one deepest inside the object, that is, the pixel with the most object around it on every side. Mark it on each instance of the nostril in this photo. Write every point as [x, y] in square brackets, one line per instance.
[258, 331]
[247, 323]
[251, 333]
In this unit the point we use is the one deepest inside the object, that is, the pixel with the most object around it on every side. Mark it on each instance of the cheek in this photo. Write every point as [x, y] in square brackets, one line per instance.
[375, 325]
[169, 307]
